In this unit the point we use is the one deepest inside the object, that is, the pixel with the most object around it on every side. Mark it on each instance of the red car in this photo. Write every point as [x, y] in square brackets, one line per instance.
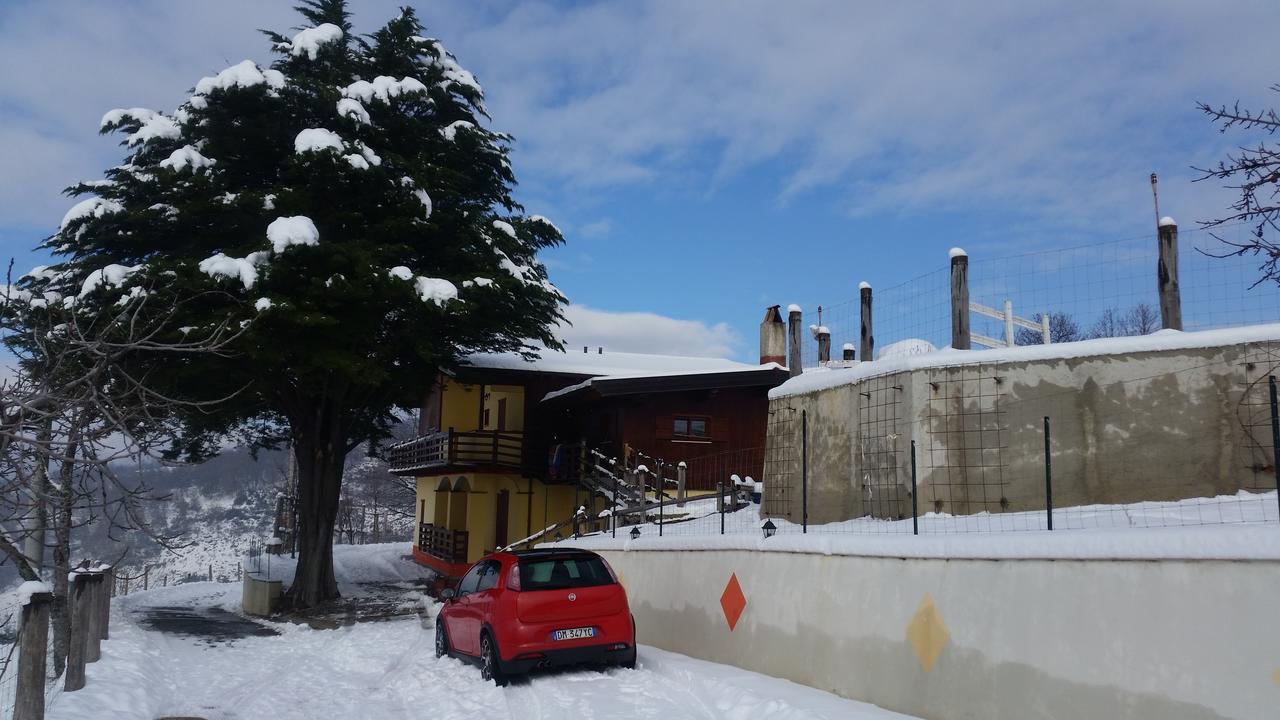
[516, 611]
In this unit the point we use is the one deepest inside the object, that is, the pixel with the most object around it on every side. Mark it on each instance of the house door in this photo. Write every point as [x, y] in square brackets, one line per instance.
[502, 414]
[500, 520]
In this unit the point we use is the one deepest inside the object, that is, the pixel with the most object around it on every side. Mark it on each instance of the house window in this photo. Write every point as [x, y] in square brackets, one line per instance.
[691, 427]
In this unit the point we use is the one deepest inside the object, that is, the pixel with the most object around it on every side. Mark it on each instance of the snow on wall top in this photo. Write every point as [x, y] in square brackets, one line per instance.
[1166, 220]
[814, 379]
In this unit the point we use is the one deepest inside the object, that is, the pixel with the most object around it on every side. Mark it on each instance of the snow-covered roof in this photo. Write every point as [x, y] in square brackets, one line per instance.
[820, 378]
[595, 363]
[589, 382]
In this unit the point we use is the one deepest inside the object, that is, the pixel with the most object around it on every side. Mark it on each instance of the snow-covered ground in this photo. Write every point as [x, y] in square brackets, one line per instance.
[388, 669]
[1241, 526]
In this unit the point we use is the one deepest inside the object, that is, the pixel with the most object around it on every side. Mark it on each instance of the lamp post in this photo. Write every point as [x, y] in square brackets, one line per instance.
[769, 529]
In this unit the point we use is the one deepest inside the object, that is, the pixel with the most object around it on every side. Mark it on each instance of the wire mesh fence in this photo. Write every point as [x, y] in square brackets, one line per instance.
[1128, 444]
[1102, 289]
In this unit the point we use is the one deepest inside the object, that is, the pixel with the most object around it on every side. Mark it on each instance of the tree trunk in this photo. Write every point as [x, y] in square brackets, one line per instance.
[62, 559]
[321, 448]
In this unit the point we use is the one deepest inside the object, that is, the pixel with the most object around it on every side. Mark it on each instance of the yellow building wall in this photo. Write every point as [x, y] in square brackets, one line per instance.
[475, 510]
[514, 395]
[460, 406]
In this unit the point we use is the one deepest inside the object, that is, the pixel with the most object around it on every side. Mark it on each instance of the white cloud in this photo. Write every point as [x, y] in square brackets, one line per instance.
[645, 332]
[1056, 111]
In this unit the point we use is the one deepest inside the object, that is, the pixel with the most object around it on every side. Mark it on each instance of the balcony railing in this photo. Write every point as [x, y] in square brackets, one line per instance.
[449, 448]
[443, 543]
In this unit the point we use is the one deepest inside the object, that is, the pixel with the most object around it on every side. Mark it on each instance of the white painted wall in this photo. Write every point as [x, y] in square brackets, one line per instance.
[1027, 638]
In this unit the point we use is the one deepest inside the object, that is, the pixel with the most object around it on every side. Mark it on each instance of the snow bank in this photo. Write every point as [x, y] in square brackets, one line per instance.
[284, 232]
[814, 379]
[1230, 527]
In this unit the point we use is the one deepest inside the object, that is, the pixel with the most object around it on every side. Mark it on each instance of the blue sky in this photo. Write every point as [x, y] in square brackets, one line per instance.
[708, 159]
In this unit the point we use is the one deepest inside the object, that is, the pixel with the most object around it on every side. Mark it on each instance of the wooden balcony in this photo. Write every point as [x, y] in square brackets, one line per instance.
[442, 543]
[447, 449]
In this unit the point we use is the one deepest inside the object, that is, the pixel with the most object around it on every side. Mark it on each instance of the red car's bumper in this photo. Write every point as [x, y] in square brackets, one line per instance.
[523, 647]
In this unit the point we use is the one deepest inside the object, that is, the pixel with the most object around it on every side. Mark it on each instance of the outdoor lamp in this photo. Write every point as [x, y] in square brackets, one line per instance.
[635, 533]
[559, 537]
[769, 528]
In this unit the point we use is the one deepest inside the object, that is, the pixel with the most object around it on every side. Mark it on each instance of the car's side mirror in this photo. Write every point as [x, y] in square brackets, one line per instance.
[447, 594]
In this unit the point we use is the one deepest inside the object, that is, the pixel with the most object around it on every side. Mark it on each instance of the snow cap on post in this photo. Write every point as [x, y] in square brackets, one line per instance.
[1166, 221]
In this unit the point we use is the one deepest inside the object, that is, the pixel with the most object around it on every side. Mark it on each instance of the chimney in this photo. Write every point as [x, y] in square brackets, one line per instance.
[773, 338]
[848, 352]
[793, 340]
[824, 344]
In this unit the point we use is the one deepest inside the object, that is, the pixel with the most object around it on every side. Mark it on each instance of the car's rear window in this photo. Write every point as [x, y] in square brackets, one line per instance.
[563, 572]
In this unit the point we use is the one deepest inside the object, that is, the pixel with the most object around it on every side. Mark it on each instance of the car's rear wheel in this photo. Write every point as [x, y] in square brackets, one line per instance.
[442, 640]
[489, 669]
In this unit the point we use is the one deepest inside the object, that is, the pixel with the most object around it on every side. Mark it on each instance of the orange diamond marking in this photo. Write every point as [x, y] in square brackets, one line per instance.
[732, 601]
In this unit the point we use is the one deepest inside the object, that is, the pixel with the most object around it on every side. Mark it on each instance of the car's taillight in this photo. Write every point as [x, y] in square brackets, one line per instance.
[513, 578]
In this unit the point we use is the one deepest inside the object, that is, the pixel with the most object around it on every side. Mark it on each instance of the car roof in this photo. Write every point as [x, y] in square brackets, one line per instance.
[551, 553]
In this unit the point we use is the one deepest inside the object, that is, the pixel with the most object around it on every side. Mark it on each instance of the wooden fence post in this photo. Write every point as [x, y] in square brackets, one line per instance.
[824, 345]
[682, 476]
[92, 610]
[104, 603]
[33, 651]
[1167, 276]
[793, 340]
[868, 339]
[77, 606]
[959, 299]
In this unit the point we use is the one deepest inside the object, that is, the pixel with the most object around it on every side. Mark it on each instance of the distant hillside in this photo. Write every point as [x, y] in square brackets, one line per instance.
[216, 509]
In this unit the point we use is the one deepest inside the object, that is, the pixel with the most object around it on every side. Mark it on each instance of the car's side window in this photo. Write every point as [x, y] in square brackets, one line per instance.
[471, 580]
[489, 575]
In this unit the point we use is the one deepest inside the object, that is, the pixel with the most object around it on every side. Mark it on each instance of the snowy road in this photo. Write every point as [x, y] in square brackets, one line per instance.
[380, 670]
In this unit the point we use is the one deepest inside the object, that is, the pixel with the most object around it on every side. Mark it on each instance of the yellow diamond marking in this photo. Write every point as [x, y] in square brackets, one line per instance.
[1275, 677]
[927, 633]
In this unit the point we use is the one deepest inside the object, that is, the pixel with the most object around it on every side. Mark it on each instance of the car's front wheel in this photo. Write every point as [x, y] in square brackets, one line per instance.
[442, 640]
[489, 669]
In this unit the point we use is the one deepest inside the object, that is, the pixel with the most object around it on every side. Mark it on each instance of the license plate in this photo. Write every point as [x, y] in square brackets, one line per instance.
[573, 634]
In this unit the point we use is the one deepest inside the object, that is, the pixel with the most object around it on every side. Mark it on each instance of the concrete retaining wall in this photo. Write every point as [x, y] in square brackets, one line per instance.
[1127, 426]
[952, 639]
